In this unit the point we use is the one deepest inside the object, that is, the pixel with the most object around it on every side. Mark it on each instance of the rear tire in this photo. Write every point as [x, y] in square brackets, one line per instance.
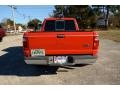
[1, 39]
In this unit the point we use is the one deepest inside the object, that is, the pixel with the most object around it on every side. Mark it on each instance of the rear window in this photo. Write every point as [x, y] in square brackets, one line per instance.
[70, 25]
[50, 25]
[60, 25]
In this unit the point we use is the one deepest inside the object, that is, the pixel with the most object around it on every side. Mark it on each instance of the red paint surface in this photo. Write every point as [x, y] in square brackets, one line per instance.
[73, 43]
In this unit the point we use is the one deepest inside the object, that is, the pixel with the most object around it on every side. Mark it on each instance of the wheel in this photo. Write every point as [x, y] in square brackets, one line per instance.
[0, 39]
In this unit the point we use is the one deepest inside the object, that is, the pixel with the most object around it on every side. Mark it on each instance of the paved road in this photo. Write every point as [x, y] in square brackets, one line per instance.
[13, 70]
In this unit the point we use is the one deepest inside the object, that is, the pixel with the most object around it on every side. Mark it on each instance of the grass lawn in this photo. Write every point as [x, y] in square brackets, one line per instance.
[110, 34]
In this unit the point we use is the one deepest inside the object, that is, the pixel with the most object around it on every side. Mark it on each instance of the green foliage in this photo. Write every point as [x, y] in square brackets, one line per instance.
[34, 23]
[116, 19]
[87, 16]
[5, 22]
[115, 9]
[9, 22]
[83, 14]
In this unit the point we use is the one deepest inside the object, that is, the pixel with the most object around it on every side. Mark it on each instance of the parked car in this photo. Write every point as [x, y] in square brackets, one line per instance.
[10, 31]
[60, 42]
[2, 33]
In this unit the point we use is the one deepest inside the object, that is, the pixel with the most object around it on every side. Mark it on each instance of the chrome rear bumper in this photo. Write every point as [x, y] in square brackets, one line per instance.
[44, 60]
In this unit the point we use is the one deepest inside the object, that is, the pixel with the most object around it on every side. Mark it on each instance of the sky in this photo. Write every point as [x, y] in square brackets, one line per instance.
[24, 13]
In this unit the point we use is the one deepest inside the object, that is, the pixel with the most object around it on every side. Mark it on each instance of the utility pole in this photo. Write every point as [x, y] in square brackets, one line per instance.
[29, 19]
[13, 15]
[25, 21]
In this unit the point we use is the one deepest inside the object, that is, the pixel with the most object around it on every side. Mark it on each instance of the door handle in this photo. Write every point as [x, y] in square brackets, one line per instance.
[60, 35]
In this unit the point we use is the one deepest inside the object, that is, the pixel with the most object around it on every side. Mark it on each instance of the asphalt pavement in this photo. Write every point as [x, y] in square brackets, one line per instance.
[13, 69]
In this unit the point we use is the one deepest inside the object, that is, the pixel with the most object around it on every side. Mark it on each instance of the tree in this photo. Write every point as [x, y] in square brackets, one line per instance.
[102, 11]
[115, 9]
[5, 22]
[83, 14]
[88, 15]
[105, 10]
[107, 16]
[34, 23]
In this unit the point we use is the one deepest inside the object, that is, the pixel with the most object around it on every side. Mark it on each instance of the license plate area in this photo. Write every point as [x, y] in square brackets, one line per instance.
[37, 52]
[60, 59]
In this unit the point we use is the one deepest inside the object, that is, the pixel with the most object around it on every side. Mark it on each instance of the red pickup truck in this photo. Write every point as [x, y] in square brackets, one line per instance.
[60, 42]
[2, 33]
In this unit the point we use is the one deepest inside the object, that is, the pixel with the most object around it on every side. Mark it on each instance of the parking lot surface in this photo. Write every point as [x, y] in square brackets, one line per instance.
[13, 70]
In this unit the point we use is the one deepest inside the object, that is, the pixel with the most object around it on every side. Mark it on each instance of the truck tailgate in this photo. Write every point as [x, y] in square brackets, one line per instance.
[62, 43]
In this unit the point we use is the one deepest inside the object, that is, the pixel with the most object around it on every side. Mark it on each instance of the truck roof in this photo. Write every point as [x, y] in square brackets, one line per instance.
[60, 18]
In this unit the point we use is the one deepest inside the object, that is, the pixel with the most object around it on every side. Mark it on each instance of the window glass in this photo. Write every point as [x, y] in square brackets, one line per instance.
[60, 25]
[50, 25]
[70, 25]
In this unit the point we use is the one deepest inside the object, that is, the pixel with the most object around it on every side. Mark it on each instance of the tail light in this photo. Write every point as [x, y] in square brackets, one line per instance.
[25, 46]
[24, 42]
[96, 42]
